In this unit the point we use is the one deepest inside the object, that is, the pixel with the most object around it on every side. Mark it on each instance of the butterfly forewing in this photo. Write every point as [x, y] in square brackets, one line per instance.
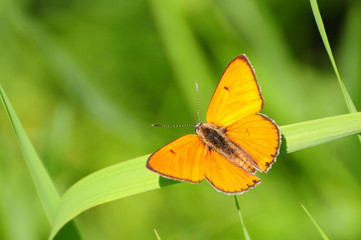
[237, 94]
[182, 159]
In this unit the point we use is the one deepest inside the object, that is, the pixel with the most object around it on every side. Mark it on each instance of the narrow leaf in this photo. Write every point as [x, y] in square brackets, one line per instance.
[156, 234]
[311, 133]
[43, 184]
[111, 183]
[245, 232]
[132, 177]
[315, 223]
[316, 13]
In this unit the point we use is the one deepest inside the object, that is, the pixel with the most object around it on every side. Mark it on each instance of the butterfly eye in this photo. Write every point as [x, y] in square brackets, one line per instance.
[197, 127]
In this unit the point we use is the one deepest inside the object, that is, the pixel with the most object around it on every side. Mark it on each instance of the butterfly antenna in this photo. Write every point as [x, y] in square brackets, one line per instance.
[181, 125]
[184, 125]
[199, 120]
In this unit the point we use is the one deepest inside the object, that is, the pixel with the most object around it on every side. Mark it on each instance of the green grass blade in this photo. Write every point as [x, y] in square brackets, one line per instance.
[315, 223]
[111, 183]
[245, 232]
[132, 177]
[316, 12]
[156, 234]
[311, 133]
[44, 186]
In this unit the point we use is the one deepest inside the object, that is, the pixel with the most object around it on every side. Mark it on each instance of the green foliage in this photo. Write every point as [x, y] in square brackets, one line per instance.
[316, 12]
[87, 79]
[324, 236]
[43, 184]
[245, 232]
[131, 177]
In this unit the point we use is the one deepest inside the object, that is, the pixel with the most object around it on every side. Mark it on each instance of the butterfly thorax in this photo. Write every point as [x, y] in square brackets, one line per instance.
[215, 138]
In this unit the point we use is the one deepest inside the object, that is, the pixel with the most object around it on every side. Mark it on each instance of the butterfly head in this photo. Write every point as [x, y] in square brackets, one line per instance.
[198, 125]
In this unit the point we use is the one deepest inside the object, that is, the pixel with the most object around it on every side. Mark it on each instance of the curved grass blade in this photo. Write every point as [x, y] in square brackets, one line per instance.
[321, 28]
[111, 183]
[44, 186]
[316, 13]
[315, 223]
[132, 177]
[245, 232]
[311, 133]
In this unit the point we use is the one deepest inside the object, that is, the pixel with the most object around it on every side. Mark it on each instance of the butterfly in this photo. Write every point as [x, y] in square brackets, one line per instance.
[235, 141]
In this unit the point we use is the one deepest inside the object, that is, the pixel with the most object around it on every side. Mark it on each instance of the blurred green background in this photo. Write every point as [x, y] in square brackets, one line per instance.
[87, 78]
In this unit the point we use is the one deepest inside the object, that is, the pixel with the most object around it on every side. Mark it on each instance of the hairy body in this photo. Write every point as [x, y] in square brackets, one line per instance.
[215, 137]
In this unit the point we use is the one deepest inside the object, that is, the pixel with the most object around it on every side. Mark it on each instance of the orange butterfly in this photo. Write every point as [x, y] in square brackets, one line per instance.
[236, 141]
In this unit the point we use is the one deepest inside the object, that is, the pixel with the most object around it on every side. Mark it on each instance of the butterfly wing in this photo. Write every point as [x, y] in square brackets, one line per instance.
[235, 105]
[182, 159]
[259, 136]
[237, 94]
[225, 176]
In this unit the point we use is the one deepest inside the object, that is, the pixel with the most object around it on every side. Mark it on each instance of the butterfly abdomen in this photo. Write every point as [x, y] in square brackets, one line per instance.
[215, 137]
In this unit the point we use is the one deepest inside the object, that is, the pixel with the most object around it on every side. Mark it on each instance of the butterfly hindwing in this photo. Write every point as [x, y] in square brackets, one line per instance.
[259, 136]
[226, 176]
[237, 94]
[182, 159]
